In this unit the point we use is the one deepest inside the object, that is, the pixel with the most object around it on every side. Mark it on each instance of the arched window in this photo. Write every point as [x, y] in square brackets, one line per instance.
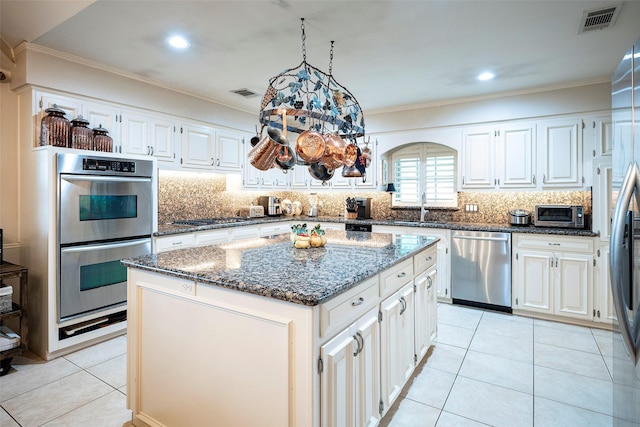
[424, 171]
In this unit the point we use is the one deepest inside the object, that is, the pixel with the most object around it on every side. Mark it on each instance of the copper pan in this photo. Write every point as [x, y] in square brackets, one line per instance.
[310, 146]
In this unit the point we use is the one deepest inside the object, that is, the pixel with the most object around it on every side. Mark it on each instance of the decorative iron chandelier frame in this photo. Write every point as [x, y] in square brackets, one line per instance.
[306, 98]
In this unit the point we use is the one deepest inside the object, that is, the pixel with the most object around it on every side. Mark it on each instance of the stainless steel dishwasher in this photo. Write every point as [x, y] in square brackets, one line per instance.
[481, 269]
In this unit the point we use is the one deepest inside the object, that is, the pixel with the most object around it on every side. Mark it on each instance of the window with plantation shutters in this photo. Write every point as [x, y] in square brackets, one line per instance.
[427, 168]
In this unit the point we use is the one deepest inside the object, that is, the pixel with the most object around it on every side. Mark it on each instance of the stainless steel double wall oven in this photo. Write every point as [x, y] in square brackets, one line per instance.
[105, 213]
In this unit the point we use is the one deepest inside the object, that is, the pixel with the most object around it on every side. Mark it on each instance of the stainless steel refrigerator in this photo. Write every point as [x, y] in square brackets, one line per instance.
[625, 239]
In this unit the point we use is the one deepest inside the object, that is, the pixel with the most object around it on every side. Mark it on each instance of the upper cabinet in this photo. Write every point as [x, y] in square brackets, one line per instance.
[499, 157]
[560, 153]
[98, 114]
[175, 142]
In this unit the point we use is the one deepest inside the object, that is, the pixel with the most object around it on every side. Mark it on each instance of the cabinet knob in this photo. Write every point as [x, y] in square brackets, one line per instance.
[403, 274]
[358, 302]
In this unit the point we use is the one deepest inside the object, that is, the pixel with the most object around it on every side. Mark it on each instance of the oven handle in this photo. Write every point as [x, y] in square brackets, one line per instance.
[116, 245]
[103, 178]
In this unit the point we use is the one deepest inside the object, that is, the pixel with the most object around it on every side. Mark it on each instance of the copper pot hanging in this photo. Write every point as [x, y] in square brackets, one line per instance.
[310, 146]
[334, 152]
[263, 155]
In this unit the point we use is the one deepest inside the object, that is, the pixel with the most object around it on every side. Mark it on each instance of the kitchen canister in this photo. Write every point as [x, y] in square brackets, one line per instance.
[81, 135]
[55, 128]
[101, 140]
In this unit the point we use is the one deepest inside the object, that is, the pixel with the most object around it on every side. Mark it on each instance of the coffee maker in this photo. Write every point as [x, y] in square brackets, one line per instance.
[271, 205]
[363, 208]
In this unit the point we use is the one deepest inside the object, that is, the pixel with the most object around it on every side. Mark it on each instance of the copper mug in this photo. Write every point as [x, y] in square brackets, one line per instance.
[263, 155]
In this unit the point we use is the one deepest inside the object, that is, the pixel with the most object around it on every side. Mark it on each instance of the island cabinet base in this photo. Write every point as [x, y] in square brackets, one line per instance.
[200, 355]
[205, 355]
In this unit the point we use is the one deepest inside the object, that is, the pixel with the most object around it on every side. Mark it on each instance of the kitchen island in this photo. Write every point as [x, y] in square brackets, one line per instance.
[256, 332]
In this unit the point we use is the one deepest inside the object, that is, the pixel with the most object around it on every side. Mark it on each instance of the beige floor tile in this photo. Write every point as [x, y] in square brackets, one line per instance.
[568, 360]
[413, 414]
[506, 327]
[448, 419]
[6, 420]
[498, 371]
[50, 401]
[499, 345]
[490, 404]
[567, 338]
[454, 335]
[431, 387]
[107, 411]
[548, 413]
[99, 353]
[30, 373]
[113, 371]
[446, 358]
[460, 317]
[573, 389]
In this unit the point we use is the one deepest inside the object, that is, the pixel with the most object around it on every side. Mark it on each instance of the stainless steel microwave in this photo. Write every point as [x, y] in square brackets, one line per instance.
[562, 216]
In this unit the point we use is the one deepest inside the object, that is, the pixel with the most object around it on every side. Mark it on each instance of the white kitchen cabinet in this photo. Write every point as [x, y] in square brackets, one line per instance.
[600, 130]
[97, 113]
[212, 237]
[560, 153]
[603, 197]
[149, 135]
[229, 151]
[198, 146]
[275, 229]
[350, 375]
[499, 157]
[554, 275]
[172, 242]
[397, 332]
[425, 311]
[443, 279]
[603, 309]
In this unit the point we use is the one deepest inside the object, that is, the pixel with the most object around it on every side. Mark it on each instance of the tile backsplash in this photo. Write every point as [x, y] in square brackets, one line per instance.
[188, 195]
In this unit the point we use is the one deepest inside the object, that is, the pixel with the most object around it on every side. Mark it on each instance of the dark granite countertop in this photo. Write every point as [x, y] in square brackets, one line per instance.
[272, 267]
[169, 229]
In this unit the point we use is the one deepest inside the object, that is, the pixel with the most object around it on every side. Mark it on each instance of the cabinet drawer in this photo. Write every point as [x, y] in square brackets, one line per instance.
[424, 260]
[395, 277]
[338, 312]
[205, 238]
[179, 241]
[556, 243]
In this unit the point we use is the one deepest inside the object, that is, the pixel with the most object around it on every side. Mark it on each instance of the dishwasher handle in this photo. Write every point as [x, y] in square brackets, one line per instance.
[493, 239]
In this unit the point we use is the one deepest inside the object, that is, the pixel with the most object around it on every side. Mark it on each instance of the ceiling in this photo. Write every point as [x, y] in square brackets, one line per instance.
[389, 54]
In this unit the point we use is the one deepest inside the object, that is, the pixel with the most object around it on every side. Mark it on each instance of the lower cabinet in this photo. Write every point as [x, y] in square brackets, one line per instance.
[603, 310]
[350, 380]
[397, 331]
[426, 311]
[554, 275]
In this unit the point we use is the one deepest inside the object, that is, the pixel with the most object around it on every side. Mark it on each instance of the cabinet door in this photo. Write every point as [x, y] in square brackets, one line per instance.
[229, 152]
[71, 107]
[561, 153]
[367, 381]
[443, 282]
[300, 177]
[478, 158]
[602, 299]
[162, 135]
[421, 330]
[198, 146]
[603, 198]
[573, 280]
[135, 131]
[533, 280]
[603, 128]
[274, 178]
[517, 157]
[432, 304]
[396, 343]
[105, 116]
[337, 380]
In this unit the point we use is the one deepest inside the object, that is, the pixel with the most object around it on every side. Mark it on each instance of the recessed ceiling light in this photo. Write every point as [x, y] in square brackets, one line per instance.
[178, 42]
[486, 76]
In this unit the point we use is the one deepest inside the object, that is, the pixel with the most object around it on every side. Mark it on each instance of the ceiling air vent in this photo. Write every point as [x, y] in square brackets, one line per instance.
[597, 19]
[245, 92]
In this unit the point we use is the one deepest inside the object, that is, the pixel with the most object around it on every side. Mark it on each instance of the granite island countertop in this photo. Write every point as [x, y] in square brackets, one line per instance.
[170, 229]
[272, 267]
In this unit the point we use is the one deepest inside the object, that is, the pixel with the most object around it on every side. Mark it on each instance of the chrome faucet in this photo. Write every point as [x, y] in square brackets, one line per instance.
[423, 208]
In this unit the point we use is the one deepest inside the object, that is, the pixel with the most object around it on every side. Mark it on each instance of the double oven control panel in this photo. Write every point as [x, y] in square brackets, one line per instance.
[104, 165]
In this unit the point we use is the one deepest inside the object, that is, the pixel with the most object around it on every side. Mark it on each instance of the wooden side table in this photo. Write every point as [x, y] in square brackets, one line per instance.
[9, 271]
